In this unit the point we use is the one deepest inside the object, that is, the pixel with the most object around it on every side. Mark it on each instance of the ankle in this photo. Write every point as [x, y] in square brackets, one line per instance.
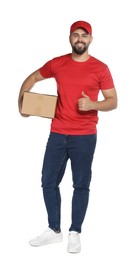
[57, 230]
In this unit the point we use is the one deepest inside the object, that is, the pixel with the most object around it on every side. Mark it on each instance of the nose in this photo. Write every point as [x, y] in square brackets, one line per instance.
[80, 38]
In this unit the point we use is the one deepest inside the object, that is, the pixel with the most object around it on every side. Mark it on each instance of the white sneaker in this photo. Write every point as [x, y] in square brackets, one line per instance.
[47, 237]
[74, 245]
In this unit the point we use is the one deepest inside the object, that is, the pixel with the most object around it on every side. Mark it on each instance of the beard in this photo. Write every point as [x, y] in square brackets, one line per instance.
[79, 49]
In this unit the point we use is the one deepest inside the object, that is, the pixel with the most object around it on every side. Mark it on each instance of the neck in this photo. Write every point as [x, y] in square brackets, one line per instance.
[80, 58]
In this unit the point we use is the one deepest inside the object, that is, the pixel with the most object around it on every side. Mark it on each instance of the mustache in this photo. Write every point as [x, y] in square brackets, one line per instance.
[79, 42]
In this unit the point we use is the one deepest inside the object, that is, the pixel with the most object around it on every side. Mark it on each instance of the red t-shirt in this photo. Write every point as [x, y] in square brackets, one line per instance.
[72, 78]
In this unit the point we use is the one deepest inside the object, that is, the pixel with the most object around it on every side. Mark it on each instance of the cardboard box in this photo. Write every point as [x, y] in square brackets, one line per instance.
[35, 104]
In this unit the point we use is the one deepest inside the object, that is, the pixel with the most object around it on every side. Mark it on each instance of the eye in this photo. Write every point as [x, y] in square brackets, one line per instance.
[75, 35]
[84, 35]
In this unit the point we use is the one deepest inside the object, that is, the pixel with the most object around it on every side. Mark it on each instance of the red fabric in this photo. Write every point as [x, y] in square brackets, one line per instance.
[72, 78]
[81, 24]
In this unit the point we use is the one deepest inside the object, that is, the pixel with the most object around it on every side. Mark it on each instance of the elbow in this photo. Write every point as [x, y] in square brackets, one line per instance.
[115, 104]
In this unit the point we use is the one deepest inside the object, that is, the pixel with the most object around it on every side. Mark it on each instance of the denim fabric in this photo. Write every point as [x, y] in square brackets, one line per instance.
[80, 151]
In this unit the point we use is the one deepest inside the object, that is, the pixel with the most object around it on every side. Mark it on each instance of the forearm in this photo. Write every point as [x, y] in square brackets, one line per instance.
[105, 105]
[28, 85]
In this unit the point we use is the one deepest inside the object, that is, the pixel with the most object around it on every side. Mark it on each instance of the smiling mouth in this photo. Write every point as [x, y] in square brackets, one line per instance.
[80, 44]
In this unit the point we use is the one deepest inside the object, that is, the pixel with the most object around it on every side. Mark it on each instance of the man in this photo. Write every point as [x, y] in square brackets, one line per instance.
[73, 133]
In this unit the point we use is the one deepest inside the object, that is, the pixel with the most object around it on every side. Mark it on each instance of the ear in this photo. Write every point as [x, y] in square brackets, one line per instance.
[91, 38]
[70, 38]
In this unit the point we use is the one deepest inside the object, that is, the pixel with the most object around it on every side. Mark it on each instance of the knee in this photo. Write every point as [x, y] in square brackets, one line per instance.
[82, 185]
[47, 184]
[81, 188]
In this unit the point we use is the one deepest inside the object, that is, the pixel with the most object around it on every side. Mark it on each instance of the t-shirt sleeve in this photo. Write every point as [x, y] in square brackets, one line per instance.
[46, 70]
[106, 80]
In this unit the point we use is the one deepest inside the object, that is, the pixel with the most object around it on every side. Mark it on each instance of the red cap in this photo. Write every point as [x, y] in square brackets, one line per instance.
[81, 24]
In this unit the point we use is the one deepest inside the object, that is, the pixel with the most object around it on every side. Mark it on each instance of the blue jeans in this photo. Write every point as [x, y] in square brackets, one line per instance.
[80, 150]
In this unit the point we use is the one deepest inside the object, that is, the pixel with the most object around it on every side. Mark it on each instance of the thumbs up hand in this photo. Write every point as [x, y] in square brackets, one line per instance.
[85, 103]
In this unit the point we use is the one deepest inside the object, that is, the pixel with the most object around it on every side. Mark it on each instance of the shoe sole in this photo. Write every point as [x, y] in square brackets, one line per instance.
[46, 243]
[76, 250]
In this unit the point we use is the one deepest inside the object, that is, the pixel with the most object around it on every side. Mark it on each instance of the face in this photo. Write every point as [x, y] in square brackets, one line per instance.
[80, 41]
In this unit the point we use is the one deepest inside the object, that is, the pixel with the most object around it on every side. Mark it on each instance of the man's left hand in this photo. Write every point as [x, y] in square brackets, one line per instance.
[85, 103]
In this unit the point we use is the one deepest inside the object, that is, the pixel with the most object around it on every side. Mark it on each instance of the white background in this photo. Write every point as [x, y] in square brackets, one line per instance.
[31, 33]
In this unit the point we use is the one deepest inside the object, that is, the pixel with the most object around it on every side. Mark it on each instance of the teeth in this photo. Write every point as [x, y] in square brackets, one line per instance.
[79, 44]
